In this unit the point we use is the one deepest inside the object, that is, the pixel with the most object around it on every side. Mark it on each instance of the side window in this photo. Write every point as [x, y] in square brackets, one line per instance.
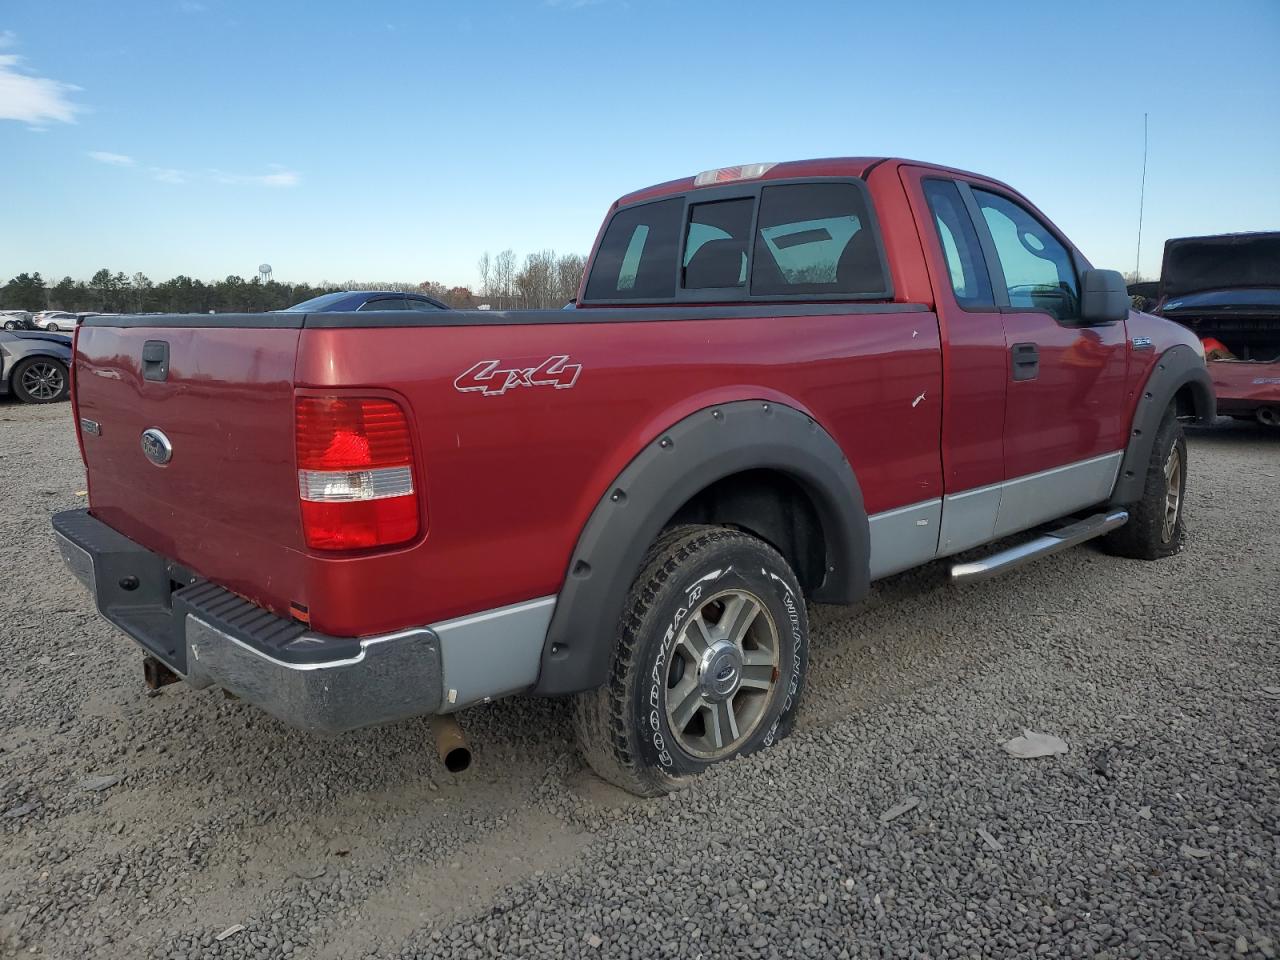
[960, 244]
[715, 246]
[426, 306]
[637, 255]
[1037, 268]
[384, 303]
[814, 238]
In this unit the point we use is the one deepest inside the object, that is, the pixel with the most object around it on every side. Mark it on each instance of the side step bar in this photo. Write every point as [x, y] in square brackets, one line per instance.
[1042, 546]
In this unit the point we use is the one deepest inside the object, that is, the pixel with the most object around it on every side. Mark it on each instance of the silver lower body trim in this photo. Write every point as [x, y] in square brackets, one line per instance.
[904, 538]
[913, 535]
[974, 517]
[491, 654]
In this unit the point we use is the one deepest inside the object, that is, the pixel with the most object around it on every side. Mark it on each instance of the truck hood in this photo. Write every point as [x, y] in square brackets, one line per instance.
[1228, 261]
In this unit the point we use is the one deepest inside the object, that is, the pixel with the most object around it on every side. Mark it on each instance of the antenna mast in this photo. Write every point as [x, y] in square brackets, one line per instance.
[1142, 196]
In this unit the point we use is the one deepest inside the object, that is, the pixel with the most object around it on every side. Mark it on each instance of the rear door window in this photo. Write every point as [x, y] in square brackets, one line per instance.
[816, 238]
[636, 259]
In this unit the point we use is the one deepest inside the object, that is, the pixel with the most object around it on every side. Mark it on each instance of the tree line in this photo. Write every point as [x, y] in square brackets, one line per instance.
[544, 281]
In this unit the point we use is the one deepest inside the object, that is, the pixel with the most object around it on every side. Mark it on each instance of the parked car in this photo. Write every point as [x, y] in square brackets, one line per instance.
[15, 320]
[632, 501]
[55, 320]
[34, 366]
[347, 301]
[1226, 289]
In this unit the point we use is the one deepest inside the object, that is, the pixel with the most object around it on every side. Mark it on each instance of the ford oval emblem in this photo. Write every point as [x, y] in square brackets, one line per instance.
[157, 447]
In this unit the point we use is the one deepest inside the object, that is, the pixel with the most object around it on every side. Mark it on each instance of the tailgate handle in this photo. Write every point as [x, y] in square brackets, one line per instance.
[155, 360]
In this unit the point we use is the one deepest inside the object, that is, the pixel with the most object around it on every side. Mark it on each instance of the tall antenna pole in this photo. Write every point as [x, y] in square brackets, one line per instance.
[1142, 196]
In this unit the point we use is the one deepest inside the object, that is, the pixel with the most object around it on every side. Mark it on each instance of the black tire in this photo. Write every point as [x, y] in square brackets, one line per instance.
[1148, 535]
[688, 574]
[34, 378]
[11, 324]
[51, 328]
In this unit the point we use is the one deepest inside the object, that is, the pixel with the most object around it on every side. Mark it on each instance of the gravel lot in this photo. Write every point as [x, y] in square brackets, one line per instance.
[147, 826]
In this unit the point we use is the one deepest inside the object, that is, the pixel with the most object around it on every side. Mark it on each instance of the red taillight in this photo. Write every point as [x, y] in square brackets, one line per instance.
[355, 473]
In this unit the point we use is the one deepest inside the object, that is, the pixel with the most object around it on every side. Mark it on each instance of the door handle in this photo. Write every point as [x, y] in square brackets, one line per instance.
[1026, 361]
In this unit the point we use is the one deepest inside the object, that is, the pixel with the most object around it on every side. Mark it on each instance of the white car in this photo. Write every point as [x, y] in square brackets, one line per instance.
[54, 320]
[15, 319]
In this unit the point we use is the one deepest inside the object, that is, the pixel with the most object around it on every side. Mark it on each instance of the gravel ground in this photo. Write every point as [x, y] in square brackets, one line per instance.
[185, 825]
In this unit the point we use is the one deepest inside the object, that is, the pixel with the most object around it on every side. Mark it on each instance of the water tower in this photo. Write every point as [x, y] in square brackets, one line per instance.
[264, 273]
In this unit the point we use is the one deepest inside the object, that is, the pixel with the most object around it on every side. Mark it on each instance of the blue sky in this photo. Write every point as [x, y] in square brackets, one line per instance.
[399, 140]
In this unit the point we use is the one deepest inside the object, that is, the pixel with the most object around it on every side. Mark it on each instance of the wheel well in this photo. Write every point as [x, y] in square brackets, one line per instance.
[774, 507]
[1184, 402]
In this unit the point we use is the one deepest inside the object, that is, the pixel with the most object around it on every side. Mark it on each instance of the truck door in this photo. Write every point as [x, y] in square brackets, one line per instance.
[975, 376]
[1064, 429]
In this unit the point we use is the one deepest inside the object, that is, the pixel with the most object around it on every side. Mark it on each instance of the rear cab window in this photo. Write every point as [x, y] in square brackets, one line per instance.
[752, 241]
[636, 259]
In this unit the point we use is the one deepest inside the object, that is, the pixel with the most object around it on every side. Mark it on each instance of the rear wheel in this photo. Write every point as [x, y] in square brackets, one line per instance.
[52, 327]
[40, 380]
[1154, 529]
[709, 663]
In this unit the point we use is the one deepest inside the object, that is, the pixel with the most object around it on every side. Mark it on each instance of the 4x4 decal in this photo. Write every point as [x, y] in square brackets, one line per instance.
[492, 378]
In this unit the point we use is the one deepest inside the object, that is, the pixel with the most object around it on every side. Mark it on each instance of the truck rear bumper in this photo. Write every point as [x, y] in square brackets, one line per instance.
[212, 637]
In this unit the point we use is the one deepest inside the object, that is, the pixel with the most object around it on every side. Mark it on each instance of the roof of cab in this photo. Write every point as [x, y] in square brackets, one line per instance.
[792, 169]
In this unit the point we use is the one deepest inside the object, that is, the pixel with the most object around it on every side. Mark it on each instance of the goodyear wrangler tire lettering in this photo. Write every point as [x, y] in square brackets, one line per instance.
[709, 663]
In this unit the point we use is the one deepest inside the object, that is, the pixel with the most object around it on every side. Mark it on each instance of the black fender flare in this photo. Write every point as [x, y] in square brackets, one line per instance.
[706, 446]
[1177, 367]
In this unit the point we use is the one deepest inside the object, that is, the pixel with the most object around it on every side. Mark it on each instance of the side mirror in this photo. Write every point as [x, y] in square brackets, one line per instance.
[1103, 296]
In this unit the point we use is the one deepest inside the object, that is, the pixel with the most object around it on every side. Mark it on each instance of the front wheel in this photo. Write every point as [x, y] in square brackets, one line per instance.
[11, 324]
[52, 328]
[708, 665]
[41, 380]
[1154, 529]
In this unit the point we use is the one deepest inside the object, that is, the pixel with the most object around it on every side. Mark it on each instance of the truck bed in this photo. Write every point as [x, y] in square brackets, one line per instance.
[509, 474]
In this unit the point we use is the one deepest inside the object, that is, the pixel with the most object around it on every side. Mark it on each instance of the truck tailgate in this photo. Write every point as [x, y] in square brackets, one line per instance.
[225, 404]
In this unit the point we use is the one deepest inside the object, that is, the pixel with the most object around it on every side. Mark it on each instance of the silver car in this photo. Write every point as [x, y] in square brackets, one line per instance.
[35, 366]
[55, 321]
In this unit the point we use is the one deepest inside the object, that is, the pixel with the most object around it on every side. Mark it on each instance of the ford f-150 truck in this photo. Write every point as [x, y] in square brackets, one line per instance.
[781, 382]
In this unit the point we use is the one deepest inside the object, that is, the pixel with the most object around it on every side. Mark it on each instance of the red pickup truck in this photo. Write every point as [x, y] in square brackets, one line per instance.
[780, 383]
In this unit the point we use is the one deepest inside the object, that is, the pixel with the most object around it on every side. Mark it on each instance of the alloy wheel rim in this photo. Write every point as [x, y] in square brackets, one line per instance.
[1172, 493]
[722, 674]
[43, 381]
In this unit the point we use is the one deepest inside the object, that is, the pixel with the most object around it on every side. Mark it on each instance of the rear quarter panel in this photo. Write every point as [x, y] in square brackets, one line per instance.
[510, 479]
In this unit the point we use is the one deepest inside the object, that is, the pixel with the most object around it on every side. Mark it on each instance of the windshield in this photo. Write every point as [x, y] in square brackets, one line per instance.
[316, 304]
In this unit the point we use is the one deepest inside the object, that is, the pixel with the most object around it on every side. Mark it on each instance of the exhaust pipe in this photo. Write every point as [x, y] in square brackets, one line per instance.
[451, 743]
[1269, 416]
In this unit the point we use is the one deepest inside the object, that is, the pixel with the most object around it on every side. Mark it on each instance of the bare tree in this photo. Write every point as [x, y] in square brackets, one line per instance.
[485, 268]
[504, 279]
[569, 271]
